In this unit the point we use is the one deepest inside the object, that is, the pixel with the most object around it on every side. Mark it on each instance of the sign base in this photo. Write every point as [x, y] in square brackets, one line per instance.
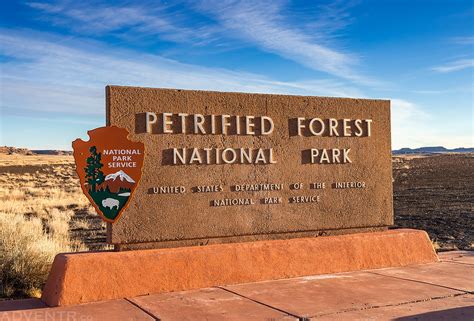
[87, 277]
[244, 238]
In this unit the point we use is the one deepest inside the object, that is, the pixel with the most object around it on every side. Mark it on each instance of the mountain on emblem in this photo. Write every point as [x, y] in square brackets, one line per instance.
[118, 181]
[109, 168]
[121, 175]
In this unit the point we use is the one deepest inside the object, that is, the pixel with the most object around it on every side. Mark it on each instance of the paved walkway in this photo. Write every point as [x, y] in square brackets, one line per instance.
[438, 291]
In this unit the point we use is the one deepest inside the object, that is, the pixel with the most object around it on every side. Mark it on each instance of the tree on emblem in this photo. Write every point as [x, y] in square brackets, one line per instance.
[94, 175]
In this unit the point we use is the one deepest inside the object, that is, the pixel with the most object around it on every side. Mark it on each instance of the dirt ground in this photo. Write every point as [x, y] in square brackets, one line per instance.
[45, 187]
[436, 194]
[433, 193]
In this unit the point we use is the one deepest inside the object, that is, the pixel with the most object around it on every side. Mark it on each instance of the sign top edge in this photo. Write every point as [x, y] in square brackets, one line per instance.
[112, 87]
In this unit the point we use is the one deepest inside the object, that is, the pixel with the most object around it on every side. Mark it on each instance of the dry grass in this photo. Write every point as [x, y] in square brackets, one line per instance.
[37, 187]
[42, 212]
[27, 251]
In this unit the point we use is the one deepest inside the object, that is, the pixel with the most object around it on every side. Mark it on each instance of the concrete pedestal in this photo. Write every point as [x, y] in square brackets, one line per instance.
[87, 277]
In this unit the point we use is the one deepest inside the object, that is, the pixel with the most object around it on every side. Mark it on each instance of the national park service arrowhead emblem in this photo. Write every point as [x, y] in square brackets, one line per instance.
[109, 166]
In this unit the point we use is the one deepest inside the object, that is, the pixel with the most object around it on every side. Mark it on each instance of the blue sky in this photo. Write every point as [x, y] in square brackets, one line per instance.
[57, 56]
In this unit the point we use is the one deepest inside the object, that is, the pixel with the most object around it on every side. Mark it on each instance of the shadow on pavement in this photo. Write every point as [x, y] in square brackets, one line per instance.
[458, 314]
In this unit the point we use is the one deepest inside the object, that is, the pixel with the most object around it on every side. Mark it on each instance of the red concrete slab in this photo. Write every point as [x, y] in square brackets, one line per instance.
[121, 274]
[466, 257]
[453, 275]
[206, 304]
[25, 304]
[458, 308]
[117, 310]
[336, 293]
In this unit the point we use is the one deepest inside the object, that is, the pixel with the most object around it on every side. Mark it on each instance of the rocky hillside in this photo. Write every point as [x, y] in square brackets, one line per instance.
[9, 150]
[432, 150]
[14, 150]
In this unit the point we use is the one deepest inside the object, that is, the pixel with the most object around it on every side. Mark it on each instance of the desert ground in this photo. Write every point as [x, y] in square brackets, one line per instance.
[47, 187]
[435, 193]
[43, 211]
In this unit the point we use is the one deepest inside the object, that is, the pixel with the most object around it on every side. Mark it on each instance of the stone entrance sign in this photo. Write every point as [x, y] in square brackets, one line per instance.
[230, 167]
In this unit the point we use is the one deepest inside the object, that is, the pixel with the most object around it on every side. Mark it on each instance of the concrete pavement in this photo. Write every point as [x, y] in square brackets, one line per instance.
[435, 291]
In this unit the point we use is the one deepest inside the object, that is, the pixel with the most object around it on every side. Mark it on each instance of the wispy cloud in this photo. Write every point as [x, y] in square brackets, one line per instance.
[310, 38]
[454, 66]
[122, 19]
[406, 111]
[460, 89]
[264, 24]
[467, 40]
[408, 125]
[329, 20]
[59, 75]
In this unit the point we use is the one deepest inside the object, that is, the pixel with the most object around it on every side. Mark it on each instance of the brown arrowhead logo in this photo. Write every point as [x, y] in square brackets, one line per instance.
[109, 166]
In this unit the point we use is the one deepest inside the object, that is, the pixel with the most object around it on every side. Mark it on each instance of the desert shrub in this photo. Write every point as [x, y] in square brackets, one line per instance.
[27, 251]
[42, 212]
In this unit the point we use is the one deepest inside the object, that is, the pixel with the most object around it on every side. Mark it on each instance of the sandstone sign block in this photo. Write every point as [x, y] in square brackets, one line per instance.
[230, 167]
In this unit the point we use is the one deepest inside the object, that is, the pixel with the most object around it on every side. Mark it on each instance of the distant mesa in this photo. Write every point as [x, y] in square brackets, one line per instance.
[15, 151]
[9, 150]
[432, 150]
[51, 152]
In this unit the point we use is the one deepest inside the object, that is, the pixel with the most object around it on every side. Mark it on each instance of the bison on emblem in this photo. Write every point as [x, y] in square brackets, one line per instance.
[110, 203]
